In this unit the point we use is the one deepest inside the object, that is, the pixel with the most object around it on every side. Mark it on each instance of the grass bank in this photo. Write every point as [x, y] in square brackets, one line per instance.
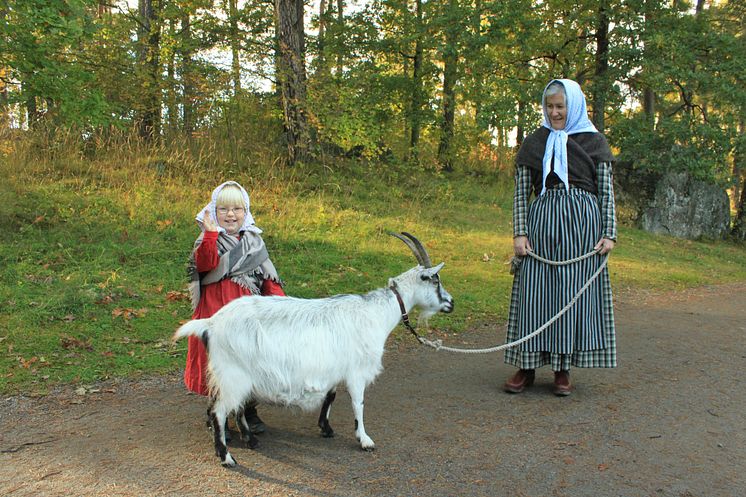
[93, 252]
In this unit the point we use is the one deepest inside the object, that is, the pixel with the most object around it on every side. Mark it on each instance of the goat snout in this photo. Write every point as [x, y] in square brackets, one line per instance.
[447, 306]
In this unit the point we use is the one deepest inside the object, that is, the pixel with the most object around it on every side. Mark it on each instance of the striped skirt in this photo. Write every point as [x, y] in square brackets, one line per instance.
[562, 225]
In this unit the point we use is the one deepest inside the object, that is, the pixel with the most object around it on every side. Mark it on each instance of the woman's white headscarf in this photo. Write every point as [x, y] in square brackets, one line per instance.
[248, 222]
[577, 122]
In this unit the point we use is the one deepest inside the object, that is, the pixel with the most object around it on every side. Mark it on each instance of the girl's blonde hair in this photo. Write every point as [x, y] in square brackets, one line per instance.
[230, 196]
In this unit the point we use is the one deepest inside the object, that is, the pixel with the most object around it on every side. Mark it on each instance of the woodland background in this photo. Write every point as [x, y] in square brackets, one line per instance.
[441, 84]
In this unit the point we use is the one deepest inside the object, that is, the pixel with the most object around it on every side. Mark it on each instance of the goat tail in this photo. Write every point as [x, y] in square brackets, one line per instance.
[195, 327]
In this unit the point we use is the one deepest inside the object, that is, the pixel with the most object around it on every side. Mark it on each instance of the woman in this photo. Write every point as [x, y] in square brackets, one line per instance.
[567, 165]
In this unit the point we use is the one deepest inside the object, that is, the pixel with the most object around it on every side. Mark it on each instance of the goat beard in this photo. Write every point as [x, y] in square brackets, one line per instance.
[423, 318]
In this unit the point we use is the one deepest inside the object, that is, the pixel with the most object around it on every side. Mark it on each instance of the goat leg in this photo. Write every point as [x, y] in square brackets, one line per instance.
[357, 392]
[247, 435]
[218, 416]
[326, 408]
[252, 417]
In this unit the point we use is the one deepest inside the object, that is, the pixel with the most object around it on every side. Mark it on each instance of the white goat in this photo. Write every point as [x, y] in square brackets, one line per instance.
[292, 351]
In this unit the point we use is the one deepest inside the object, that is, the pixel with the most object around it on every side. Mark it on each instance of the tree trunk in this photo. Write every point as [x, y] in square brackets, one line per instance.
[416, 105]
[103, 8]
[149, 37]
[477, 73]
[340, 31]
[32, 112]
[648, 94]
[4, 108]
[322, 33]
[187, 76]
[450, 75]
[235, 47]
[600, 83]
[292, 77]
[520, 132]
[171, 98]
[739, 173]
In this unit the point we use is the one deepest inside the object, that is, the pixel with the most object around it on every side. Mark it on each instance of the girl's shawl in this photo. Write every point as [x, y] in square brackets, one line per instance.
[245, 261]
[576, 150]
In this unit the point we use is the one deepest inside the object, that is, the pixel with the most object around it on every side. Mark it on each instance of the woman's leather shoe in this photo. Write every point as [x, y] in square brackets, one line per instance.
[520, 380]
[562, 386]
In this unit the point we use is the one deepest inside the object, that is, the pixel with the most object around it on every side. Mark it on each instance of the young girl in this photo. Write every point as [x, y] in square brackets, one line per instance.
[229, 261]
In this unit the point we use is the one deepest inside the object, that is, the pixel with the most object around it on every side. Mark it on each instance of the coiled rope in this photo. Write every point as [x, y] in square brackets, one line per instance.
[438, 344]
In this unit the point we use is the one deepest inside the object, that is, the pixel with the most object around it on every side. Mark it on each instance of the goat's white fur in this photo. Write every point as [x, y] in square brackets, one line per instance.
[293, 351]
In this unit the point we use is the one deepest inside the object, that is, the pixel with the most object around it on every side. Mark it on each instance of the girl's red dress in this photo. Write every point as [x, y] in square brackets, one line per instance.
[212, 298]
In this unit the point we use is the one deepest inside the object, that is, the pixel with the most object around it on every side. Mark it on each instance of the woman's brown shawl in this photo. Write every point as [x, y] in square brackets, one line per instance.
[584, 152]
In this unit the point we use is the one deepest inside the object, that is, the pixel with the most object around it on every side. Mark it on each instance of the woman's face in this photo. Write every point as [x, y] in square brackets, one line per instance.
[556, 110]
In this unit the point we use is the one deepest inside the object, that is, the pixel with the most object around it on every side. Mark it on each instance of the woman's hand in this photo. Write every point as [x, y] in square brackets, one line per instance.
[208, 223]
[605, 246]
[521, 246]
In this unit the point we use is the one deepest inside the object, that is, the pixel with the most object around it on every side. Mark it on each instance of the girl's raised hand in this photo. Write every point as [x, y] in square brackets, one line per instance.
[208, 223]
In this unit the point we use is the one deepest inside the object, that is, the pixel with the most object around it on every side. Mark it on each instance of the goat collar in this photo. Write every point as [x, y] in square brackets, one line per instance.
[404, 314]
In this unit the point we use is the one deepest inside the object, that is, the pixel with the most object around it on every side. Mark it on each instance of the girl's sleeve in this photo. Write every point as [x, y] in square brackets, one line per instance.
[606, 200]
[520, 200]
[206, 256]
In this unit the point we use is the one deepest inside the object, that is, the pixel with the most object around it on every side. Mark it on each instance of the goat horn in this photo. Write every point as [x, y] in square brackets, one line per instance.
[420, 248]
[409, 243]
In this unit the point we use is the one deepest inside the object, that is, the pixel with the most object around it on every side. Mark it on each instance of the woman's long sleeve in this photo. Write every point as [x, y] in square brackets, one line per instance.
[520, 200]
[606, 200]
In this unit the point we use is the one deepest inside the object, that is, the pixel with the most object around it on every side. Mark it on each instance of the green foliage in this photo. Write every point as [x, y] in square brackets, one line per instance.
[676, 144]
[43, 46]
[694, 64]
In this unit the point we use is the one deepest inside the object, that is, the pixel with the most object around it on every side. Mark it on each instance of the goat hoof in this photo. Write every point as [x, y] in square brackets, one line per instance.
[229, 462]
[367, 444]
[327, 433]
[252, 443]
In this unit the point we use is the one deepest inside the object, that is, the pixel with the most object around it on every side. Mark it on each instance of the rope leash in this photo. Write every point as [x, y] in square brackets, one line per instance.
[438, 344]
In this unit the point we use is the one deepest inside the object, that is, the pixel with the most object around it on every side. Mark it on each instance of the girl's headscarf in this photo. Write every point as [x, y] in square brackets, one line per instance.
[248, 223]
[577, 122]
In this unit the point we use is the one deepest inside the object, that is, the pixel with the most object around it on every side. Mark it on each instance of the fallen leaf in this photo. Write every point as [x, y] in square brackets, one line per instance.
[175, 296]
[80, 391]
[27, 363]
[106, 299]
[69, 342]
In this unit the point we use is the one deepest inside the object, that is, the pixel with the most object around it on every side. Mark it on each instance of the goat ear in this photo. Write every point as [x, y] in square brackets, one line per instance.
[432, 271]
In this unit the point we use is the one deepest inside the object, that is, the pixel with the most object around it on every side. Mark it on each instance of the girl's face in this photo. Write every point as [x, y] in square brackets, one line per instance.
[230, 218]
[557, 111]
